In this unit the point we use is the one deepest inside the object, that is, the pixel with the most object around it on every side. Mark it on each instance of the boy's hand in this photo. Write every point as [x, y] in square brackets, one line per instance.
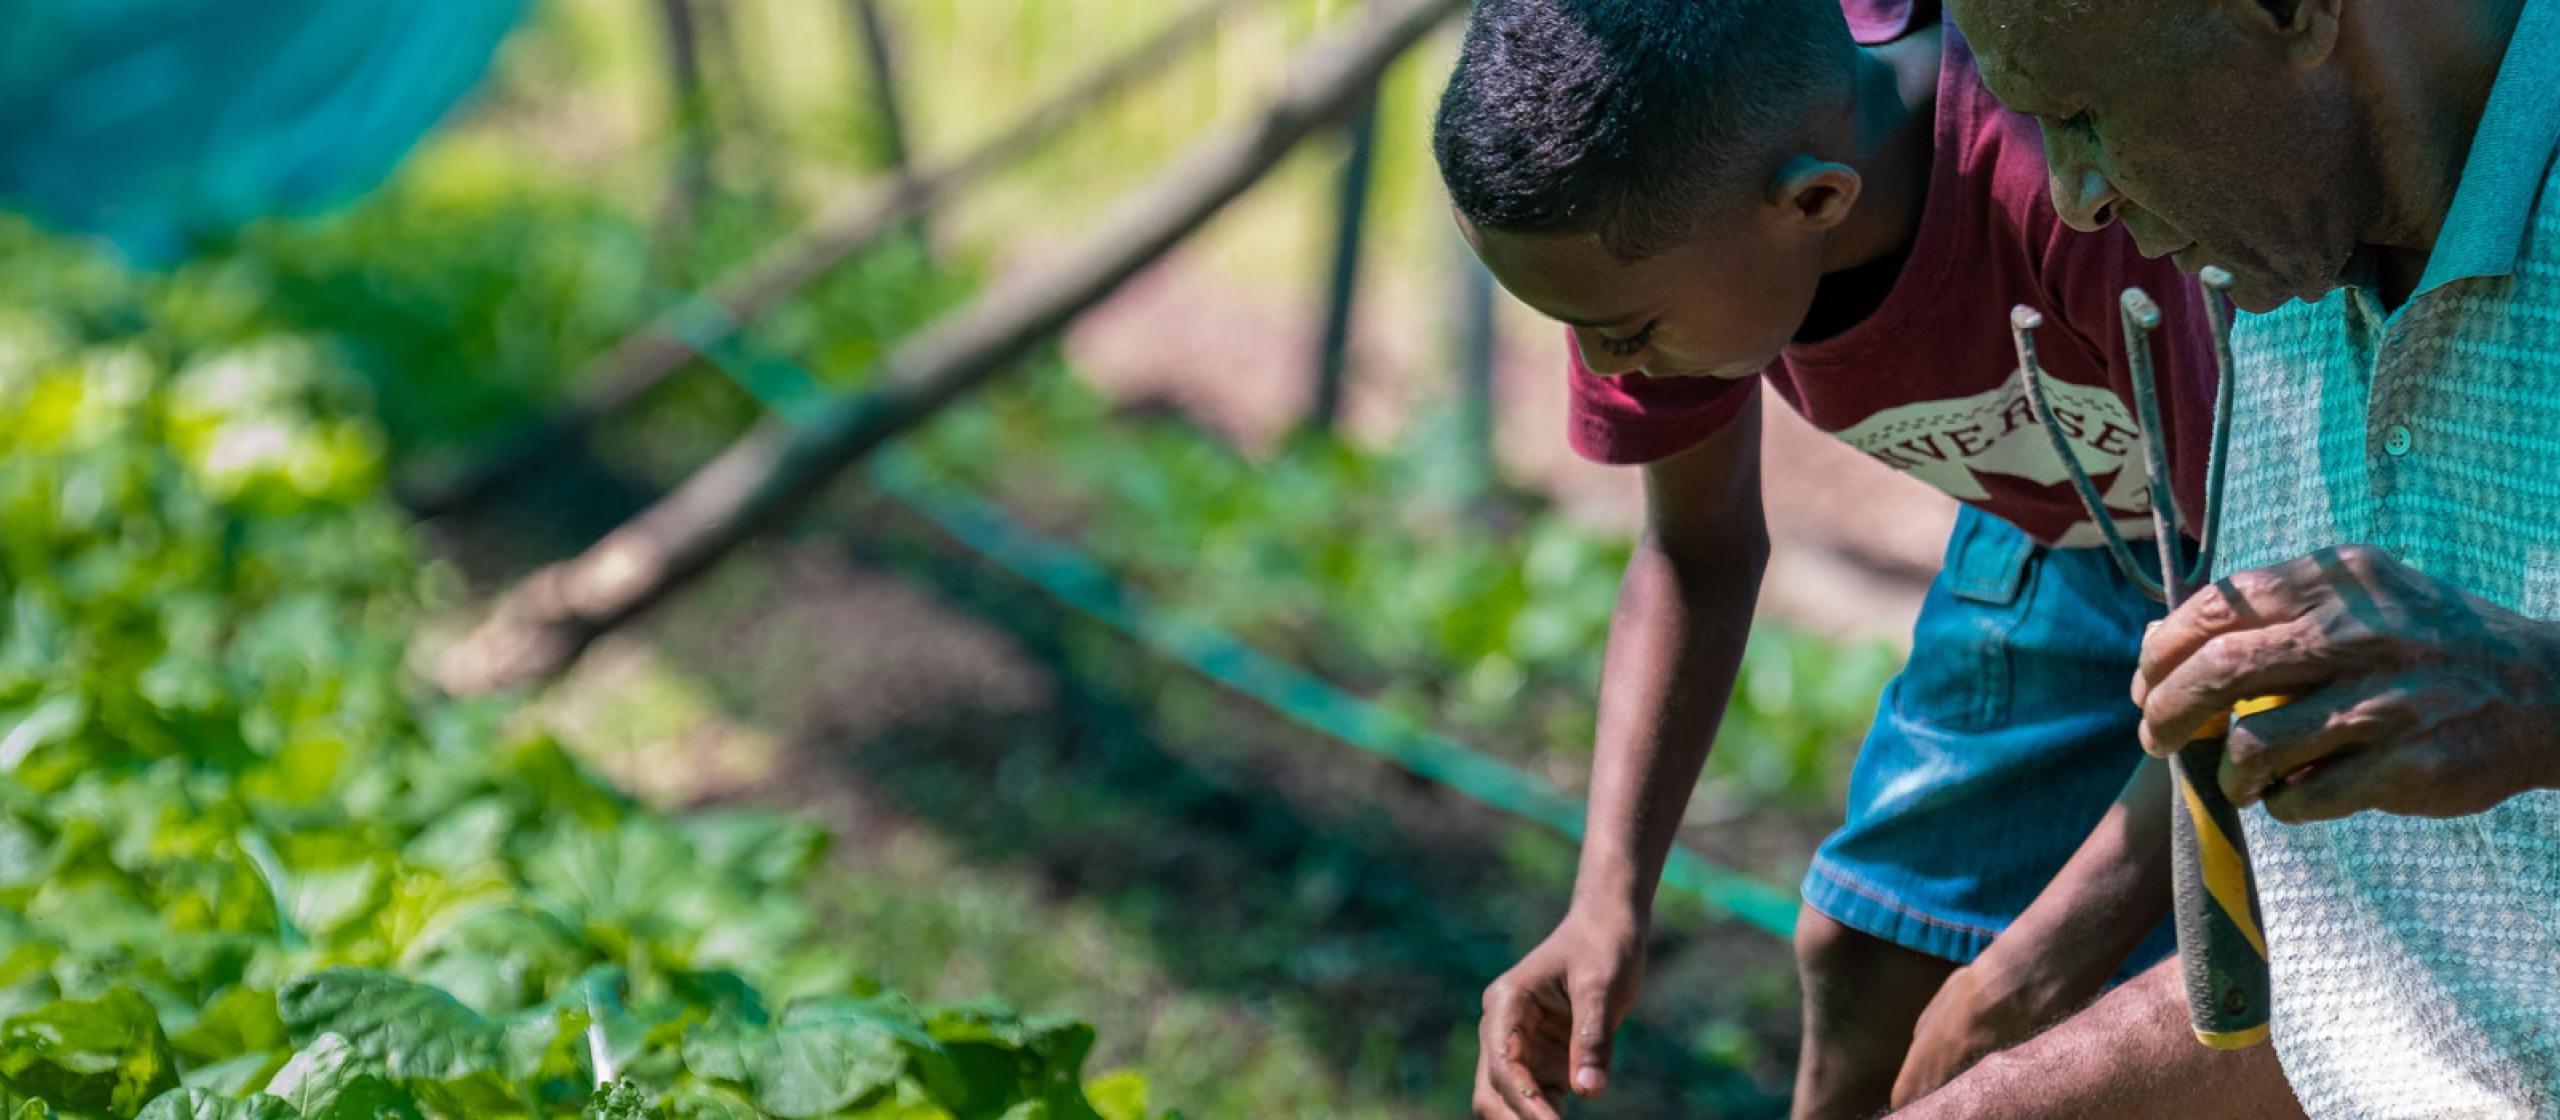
[1555, 1013]
[1978, 1011]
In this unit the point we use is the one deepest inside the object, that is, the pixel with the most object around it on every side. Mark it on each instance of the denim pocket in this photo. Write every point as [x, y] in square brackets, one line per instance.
[1960, 671]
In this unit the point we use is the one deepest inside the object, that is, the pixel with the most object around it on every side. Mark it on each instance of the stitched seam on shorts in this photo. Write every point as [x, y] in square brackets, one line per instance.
[1851, 885]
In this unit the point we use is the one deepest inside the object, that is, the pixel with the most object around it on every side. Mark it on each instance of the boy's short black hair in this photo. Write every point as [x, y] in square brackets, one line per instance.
[1625, 118]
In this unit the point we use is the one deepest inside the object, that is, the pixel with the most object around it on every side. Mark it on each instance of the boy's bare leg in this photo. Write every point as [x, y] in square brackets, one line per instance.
[1862, 994]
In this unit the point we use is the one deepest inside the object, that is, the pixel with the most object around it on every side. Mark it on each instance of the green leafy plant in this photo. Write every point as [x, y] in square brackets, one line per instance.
[248, 868]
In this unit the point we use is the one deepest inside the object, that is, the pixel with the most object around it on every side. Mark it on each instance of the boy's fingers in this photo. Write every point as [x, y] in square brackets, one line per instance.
[1506, 1048]
[1519, 1091]
[1501, 1013]
[1489, 1101]
[1486, 1104]
[1589, 1065]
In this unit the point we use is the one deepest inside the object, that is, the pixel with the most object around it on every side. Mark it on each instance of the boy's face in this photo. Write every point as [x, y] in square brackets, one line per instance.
[1719, 306]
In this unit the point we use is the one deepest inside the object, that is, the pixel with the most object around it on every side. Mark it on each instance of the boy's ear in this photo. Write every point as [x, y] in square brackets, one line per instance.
[1816, 192]
[2308, 29]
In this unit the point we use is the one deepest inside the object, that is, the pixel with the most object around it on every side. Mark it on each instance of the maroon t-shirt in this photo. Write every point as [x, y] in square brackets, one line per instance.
[1927, 384]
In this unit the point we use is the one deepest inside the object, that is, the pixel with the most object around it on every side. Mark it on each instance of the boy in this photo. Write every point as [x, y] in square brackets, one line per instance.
[1717, 194]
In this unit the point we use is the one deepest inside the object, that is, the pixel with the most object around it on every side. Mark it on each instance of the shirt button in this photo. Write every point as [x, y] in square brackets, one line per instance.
[2396, 441]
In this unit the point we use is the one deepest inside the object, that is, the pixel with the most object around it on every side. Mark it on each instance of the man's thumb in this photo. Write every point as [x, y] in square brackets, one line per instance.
[1592, 1034]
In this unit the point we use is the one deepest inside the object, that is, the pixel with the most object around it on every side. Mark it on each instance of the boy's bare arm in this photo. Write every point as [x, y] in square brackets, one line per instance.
[2131, 1056]
[2059, 953]
[1675, 643]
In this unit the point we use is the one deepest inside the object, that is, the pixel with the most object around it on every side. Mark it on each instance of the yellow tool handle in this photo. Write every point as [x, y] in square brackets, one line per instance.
[2222, 947]
[2257, 704]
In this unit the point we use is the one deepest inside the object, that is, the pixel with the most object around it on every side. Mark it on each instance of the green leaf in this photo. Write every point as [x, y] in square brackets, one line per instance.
[234, 1077]
[1006, 1058]
[196, 1104]
[38, 725]
[237, 1022]
[723, 1050]
[101, 1055]
[764, 848]
[889, 1011]
[557, 784]
[323, 901]
[710, 1102]
[721, 993]
[487, 1093]
[546, 1043]
[899, 1016]
[330, 1081]
[406, 1028]
[25, 852]
[466, 839]
[1119, 1095]
[802, 1069]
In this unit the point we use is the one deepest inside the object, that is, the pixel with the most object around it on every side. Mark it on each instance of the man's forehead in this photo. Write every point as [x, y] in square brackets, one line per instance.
[2025, 49]
[2012, 78]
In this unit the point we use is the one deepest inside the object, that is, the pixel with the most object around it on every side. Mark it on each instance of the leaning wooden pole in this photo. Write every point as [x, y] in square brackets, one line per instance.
[542, 624]
[647, 357]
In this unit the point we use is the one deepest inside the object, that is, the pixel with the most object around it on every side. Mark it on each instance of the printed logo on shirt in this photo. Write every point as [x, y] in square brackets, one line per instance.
[1989, 445]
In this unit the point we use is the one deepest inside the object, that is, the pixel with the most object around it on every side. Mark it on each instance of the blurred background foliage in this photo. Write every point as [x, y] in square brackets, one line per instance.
[1126, 845]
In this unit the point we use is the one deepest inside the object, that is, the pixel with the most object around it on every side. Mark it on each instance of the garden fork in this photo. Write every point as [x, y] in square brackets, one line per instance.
[2221, 950]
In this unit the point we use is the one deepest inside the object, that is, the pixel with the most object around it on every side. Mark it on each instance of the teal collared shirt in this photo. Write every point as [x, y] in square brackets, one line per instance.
[2417, 961]
[2510, 155]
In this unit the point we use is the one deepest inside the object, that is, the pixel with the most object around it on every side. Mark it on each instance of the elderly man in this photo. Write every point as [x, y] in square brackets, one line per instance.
[2392, 532]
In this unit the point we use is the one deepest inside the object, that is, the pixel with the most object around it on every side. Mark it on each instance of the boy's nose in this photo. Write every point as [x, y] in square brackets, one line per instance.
[1597, 358]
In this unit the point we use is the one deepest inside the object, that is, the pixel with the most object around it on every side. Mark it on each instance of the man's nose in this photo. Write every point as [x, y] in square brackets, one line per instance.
[2081, 193]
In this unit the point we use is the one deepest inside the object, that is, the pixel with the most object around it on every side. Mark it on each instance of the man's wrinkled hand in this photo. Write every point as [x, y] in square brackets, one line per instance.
[1548, 1022]
[2406, 694]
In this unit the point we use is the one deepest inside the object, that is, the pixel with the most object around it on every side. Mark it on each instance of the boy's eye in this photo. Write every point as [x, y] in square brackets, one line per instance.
[1629, 346]
[2079, 123]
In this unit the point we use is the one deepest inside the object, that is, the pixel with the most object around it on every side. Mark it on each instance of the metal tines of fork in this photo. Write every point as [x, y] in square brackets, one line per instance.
[2141, 320]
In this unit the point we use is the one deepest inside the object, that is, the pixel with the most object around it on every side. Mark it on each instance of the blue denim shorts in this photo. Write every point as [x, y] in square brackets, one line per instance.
[1995, 751]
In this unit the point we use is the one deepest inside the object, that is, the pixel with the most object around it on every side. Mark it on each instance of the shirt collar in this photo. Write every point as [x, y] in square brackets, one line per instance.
[2485, 229]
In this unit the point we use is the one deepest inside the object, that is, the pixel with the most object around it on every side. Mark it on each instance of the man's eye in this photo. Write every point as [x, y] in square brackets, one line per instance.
[1627, 347]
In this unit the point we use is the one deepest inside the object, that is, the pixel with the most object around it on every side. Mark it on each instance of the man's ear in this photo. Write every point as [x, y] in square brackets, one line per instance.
[1816, 192]
[2308, 29]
